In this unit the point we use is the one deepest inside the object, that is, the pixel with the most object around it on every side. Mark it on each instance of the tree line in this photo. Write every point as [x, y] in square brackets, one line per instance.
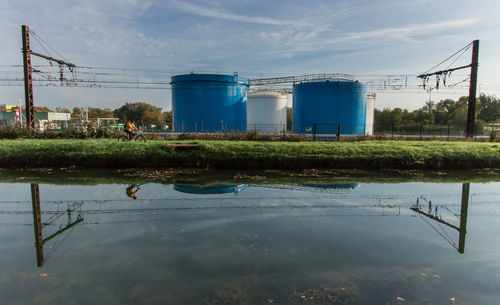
[446, 112]
[141, 113]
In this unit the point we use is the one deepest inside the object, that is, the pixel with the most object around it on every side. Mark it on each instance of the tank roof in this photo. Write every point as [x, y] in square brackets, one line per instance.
[193, 77]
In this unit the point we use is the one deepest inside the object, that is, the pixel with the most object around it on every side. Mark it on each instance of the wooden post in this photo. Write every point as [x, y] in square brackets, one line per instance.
[28, 82]
[471, 108]
[314, 131]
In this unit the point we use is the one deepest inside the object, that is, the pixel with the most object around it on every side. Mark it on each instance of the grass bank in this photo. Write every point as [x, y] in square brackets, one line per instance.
[106, 153]
[86, 176]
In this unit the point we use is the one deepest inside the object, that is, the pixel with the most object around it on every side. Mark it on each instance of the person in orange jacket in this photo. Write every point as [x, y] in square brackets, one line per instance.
[129, 129]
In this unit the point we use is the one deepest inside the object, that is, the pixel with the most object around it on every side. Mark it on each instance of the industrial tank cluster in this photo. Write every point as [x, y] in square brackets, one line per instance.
[213, 102]
[266, 111]
[209, 102]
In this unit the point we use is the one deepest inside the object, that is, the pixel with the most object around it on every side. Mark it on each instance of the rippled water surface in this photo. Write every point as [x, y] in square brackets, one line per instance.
[408, 243]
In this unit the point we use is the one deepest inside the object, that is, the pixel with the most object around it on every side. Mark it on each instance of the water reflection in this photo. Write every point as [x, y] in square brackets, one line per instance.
[425, 208]
[132, 190]
[38, 225]
[336, 186]
[370, 244]
[433, 213]
[212, 189]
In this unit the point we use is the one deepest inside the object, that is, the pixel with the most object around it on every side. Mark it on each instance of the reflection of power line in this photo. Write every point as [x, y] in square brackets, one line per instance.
[204, 217]
[216, 208]
[434, 215]
[338, 196]
[37, 224]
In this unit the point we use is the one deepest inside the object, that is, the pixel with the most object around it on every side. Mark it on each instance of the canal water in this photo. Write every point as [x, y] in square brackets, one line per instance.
[406, 243]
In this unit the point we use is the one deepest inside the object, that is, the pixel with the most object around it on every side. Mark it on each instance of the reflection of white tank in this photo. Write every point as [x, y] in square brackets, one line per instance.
[370, 113]
[266, 111]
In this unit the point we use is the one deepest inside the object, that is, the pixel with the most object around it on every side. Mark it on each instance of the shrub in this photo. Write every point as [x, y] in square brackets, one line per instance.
[493, 135]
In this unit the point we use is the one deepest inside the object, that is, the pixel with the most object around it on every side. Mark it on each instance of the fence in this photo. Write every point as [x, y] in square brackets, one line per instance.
[315, 132]
[439, 131]
[329, 132]
[225, 126]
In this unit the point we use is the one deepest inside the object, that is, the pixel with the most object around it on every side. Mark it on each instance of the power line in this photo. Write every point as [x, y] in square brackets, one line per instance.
[466, 47]
[40, 39]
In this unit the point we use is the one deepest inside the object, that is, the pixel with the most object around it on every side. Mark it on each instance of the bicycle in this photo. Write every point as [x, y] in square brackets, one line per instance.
[135, 137]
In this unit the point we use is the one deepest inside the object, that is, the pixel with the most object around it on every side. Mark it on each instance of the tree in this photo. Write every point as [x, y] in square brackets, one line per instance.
[63, 110]
[167, 118]
[397, 119]
[141, 113]
[444, 110]
[490, 108]
[42, 109]
[289, 113]
[95, 113]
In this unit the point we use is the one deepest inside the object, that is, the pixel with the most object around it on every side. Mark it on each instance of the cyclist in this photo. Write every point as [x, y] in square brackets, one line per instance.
[132, 191]
[129, 129]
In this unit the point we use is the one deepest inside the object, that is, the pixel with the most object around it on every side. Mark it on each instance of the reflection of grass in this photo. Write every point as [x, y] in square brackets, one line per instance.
[230, 295]
[325, 296]
[208, 177]
[107, 153]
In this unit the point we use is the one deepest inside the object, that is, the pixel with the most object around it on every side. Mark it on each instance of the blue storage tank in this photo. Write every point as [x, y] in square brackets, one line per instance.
[209, 102]
[324, 104]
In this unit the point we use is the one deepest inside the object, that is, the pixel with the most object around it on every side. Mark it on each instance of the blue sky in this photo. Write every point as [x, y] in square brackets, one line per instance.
[368, 39]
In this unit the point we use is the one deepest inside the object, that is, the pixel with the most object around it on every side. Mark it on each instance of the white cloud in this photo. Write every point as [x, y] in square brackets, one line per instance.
[218, 13]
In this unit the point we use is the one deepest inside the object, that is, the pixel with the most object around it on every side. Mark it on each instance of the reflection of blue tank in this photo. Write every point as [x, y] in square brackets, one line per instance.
[324, 104]
[338, 186]
[209, 102]
[212, 189]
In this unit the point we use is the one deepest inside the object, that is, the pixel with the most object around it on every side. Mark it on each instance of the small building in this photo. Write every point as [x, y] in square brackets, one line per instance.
[43, 120]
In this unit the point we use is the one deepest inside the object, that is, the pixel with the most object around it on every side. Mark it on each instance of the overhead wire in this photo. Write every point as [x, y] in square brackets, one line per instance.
[38, 37]
[448, 58]
[458, 57]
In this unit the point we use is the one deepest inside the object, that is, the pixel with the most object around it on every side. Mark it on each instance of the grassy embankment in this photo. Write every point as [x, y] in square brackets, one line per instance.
[251, 155]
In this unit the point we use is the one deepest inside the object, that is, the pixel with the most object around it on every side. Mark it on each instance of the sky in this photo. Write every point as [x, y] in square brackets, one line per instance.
[153, 40]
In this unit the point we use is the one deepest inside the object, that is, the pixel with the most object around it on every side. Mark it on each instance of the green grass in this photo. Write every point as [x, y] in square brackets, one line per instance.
[82, 176]
[104, 153]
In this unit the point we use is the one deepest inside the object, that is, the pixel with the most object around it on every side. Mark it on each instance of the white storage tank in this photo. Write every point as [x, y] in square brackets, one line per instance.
[370, 113]
[266, 111]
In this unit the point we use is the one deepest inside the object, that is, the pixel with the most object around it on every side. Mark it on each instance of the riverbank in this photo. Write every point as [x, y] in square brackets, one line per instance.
[370, 155]
[85, 176]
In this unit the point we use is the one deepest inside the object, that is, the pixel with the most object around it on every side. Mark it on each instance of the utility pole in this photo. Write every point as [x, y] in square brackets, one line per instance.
[28, 82]
[20, 113]
[471, 108]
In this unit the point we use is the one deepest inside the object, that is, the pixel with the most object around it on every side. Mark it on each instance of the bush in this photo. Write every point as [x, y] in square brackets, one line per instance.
[236, 135]
[493, 135]
[10, 132]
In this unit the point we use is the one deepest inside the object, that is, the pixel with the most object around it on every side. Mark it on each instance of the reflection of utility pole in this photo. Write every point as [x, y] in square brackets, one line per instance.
[37, 224]
[463, 216]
